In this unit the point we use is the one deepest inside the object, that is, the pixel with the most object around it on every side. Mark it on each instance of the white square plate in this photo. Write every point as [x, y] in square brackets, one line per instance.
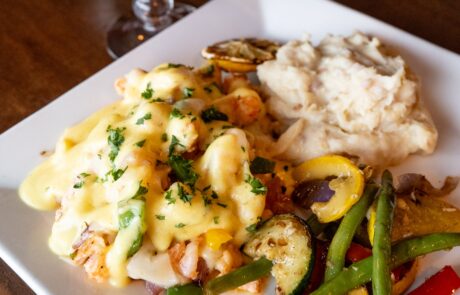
[24, 232]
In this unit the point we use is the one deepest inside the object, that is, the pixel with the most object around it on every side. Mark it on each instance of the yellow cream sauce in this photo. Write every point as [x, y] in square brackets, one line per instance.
[77, 180]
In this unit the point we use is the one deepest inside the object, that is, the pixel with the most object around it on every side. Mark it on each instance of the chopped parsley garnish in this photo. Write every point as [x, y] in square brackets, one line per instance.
[180, 225]
[148, 92]
[257, 187]
[261, 165]
[160, 217]
[81, 181]
[221, 205]
[164, 137]
[253, 227]
[169, 198]
[115, 140]
[79, 184]
[73, 255]
[116, 173]
[141, 191]
[174, 142]
[214, 195]
[141, 120]
[158, 99]
[140, 143]
[243, 149]
[175, 113]
[188, 92]
[216, 85]
[208, 71]
[227, 127]
[183, 169]
[183, 195]
[216, 219]
[212, 114]
[206, 188]
[170, 65]
[206, 200]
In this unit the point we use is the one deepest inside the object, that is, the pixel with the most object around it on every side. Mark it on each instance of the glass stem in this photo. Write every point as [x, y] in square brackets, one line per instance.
[154, 14]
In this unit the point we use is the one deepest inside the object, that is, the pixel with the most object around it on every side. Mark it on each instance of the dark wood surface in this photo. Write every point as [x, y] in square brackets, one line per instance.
[49, 46]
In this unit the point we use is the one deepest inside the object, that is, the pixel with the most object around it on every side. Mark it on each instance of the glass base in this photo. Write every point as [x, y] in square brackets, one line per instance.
[128, 33]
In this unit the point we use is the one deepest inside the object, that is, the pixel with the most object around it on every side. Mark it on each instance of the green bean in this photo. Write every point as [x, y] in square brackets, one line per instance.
[248, 273]
[189, 289]
[344, 234]
[360, 273]
[381, 250]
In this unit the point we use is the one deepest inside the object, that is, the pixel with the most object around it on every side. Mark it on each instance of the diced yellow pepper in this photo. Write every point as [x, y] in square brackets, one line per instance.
[216, 237]
[348, 184]
[371, 222]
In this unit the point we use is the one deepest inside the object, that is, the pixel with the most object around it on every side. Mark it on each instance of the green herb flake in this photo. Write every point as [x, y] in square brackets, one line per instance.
[141, 120]
[174, 142]
[214, 195]
[158, 99]
[183, 169]
[81, 181]
[164, 137]
[116, 173]
[160, 217]
[141, 191]
[73, 255]
[206, 200]
[175, 113]
[115, 140]
[212, 114]
[221, 205]
[216, 219]
[206, 188]
[252, 228]
[261, 165]
[169, 197]
[257, 187]
[180, 225]
[79, 184]
[208, 71]
[140, 143]
[188, 92]
[148, 92]
[173, 66]
[183, 195]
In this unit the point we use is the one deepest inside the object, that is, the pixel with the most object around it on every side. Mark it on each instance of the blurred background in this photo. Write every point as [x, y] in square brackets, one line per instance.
[49, 46]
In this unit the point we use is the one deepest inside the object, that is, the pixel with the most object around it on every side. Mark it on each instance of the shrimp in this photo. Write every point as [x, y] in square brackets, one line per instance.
[243, 105]
[91, 252]
[230, 259]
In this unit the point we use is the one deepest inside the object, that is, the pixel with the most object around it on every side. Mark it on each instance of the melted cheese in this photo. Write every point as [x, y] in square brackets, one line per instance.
[86, 186]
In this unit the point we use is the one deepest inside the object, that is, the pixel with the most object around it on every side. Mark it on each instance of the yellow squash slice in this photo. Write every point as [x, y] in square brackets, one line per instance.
[348, 184]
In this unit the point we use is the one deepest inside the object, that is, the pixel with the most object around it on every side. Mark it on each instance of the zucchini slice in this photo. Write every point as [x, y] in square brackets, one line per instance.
[286, 241]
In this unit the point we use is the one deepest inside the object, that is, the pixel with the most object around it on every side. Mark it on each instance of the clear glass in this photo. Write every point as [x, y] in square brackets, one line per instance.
[151, 17]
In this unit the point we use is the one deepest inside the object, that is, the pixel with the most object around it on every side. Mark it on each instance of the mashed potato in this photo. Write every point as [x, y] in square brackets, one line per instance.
[346, 96]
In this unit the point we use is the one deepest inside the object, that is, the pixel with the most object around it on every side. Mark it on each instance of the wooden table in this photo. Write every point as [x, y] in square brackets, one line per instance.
[49, 46]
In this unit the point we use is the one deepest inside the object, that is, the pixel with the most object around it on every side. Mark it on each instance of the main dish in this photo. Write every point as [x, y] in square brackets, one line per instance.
[199, 181]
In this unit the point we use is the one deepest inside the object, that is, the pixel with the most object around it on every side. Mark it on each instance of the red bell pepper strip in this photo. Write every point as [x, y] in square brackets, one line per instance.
[444, 282]
[356, 252]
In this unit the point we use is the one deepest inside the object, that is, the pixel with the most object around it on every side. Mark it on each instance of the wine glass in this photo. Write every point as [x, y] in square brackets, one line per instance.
[151, 17]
